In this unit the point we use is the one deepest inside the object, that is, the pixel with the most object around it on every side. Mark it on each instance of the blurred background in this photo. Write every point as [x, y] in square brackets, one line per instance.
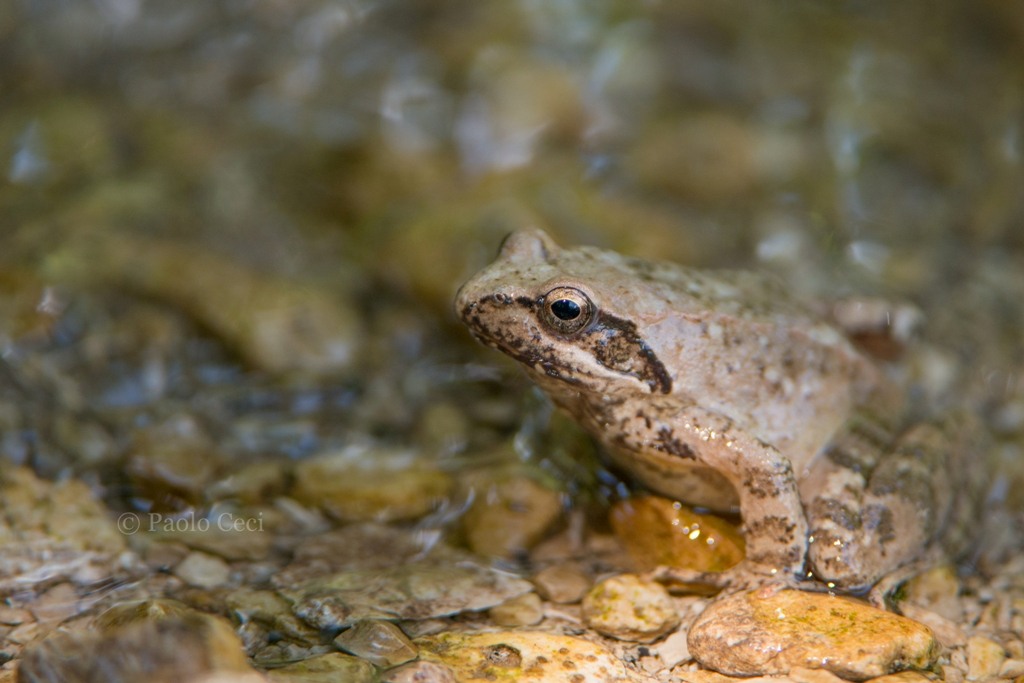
[235, 228]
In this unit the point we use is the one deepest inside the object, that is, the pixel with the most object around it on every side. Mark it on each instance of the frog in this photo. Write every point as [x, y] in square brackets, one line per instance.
[724, 391]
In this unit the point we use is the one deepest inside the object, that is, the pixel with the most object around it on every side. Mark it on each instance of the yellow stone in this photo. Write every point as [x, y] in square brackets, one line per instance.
[661, 532]
[628, 607]
[984, 658]
[524, 655]
[764, 632]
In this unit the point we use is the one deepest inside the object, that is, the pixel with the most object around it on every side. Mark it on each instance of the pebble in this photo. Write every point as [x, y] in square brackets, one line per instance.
[325, 669]
[525, 655]
[937, 590]
[985, 658]
[804, 675]
[674, 650]
[524, 610]
[408, 591]
[269, 608]
[275, 323]
[203, 571]
[948, 633]
[171, 464]
[761, 632]
[171, 649]
[379, 642]
[1012, 668]
[419, 672]
[136, 611]
[57, 604]
[359, 485]
[53, 530]
[228, 543]
[661, 532]
[563, 583]
[252, 484]
[509, 514]
[904, 677]
[628, 607]
[12, 616]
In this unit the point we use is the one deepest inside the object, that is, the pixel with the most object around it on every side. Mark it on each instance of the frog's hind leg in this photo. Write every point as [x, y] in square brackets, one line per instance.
[773, 517]
[875, 503]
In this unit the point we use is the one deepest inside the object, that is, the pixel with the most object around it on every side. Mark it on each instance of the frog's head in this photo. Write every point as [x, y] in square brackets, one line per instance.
[551, 309]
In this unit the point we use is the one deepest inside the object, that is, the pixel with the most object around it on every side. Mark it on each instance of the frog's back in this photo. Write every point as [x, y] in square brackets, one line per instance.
[735, 342]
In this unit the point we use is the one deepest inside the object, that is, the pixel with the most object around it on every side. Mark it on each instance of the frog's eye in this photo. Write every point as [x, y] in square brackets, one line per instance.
[566, 310]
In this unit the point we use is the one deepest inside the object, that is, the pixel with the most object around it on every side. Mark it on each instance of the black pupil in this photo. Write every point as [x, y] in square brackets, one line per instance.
[565, 309]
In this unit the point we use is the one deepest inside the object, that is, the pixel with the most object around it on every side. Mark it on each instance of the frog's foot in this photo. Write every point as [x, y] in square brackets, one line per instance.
[871, 514]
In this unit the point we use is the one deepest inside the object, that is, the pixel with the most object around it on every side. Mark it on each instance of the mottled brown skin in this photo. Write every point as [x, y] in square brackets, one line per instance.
[719, 390]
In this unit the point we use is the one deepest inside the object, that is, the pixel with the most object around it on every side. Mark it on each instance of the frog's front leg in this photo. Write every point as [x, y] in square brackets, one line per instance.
[773, 519]
[874, 503]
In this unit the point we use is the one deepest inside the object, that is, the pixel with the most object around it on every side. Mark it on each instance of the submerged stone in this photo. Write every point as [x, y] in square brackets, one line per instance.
[411, 591]
[326, 669]
[370, 485]
[660, 532]
[176, 648]
[525, 655]
[509, 514]
[378, 642]
[52, 531]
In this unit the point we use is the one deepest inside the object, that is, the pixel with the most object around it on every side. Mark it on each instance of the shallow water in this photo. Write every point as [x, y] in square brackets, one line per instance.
[232, 231]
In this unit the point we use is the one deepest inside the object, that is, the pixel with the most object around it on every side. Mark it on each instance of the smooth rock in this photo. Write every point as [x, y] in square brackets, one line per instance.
[525, 655]
[272, 610]
[985, 657]
[802, 675]
[328, 668]
[409, 591]
[524, 610]
[949, 633]
[903, 677]
[203, 571]
[937, 590]
[762, 632]
[509, 514]
[359, 546]
[367, 485]
[252, 484]
[275, 323]
[661, 532]
[172, 649]
[630, 608]
[563, 583]
[227, 543]
[419, 672]
[171, 464]
[51, 532]
[136, 611]
[379, 642]
[1012, 668]
[674, 649]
